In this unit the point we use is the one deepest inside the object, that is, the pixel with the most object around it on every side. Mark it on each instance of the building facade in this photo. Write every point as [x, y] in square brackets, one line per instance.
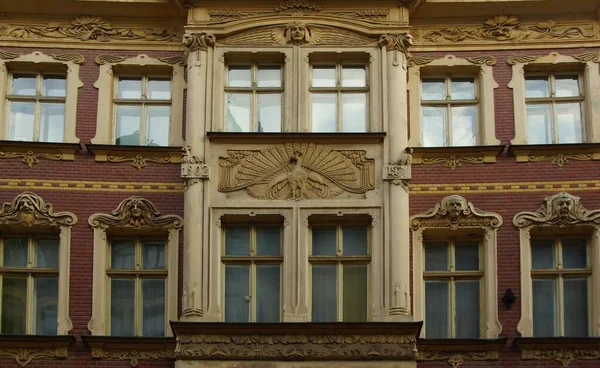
[300, 183]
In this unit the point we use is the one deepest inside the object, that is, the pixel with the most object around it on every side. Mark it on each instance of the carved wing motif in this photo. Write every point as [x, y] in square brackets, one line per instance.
[336, 36]
[260, 36]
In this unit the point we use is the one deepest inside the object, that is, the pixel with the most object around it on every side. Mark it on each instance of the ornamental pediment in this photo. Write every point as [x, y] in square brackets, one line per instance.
[455, 212]
[562, 209]
[297, 171]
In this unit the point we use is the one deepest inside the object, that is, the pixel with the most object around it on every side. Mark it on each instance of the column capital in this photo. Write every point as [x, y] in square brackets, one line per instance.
[396, 42]
[197, 42]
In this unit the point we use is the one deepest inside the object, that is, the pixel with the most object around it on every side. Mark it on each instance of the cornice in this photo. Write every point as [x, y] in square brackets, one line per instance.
[334, 138]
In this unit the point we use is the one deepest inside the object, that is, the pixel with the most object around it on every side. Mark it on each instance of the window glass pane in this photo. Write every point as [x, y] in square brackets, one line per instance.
[153, 255]
[267, 293]
[436, 309]
[55, 86]
[22, 121]
[129, 88]
[128, 125]
[574, 253]
[536, 87]
[14, 305]
[544, 307]
[237, 293]
[268, 242]
[542, 254]
[464, 125]
[237, 240]
[15, 252]
[467, 309]
[354, 76]
[122, 254]
[567, 86]
[45, 300]
[52, 122]
[324, 241]
[576, 307]
[238, 112]
[46, 253]
[324, 112]
[466, 256]
[158, 125]
[153, 309]
[239, 76]
[324, 293]
[463, 88]
[539, 124]
[159, 89]
[354, 112]
[434, 126]
[24, 84]
[269, 112]
[323, 76]
[433, 89]
[122, 304]
[355, 293]
[436, 257]
[355, 241]
[268, 76]
[568, 118]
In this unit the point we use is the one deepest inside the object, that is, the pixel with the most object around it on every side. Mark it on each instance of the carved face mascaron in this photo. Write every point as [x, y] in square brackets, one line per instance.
[297, 33]
[562, 206]
[454, 208]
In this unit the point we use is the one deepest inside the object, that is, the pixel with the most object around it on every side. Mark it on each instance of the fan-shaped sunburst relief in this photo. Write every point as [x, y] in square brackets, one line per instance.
[296, 171]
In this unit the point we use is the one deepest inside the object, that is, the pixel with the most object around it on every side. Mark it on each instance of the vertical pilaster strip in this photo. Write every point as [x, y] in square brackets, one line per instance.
[64, 323]
[525, 325]
[97, 325]
[595, 282]
[194, 270]
[398, 291]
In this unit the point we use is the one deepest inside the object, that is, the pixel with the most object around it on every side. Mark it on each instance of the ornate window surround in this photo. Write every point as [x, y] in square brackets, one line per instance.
[445, 218]
[132, 215]
[28, 210]
[548, 217]
[105, 83]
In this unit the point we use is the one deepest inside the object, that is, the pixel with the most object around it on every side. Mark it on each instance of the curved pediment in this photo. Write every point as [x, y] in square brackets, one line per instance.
[29, 209]
[135, 212]
[455, 212]
[562, 209]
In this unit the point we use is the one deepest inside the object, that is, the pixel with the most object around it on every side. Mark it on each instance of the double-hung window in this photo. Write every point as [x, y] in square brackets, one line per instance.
[137, 280]
[554, 105]
[560, 273]
[254, 97]
[252, 260]
[339, 94]
[449, 109]
[142, 110]
[453, 280]
[340, 261]
[36, 106]
[29, 285]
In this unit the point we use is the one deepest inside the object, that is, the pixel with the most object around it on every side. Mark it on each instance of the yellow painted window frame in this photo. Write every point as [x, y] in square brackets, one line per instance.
[451, 275]
[138, 274]
[339, 260]
[252, 260]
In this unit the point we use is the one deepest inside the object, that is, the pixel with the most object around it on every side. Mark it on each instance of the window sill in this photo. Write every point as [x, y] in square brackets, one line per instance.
[132, 349]
[457, 351]
[30, 153]
[558, 154]
[453, 157]
[25, 348]
[138, 155]
[560, 349]
[279, 341]
[227, 137]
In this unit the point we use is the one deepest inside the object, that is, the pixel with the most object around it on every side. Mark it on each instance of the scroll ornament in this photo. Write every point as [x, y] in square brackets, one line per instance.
[454, 212]
[296, 171]
[135, 212]
[29, 209]
[562, 209]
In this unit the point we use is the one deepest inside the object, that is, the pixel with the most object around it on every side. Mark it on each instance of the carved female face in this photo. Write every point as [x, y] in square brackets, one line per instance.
[454, 208]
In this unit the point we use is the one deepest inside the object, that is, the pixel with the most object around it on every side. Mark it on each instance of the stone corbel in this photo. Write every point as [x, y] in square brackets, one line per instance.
[397, 42]
[193, 169]
[194, 42]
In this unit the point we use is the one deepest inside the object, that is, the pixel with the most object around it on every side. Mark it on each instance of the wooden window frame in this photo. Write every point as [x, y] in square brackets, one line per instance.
[252, 260]
[29, 271]
[339, 260]
[452, 274]
[448, 103]
[254, 90]
[144, 101]
[138, 274]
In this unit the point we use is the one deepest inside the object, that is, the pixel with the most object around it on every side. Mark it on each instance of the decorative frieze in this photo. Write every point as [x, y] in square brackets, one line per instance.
[31, 157]
[562, 209]
[564, 356]
[24, 356]
[296, 171]
[453, 161]
[457, 358]
[561, 159]
[132, 355]
[139, 161]
[70, 57]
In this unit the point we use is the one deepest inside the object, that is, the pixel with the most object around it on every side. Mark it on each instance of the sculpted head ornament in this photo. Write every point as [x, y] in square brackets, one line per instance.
[29, 209]
[297, 33]
[396, 42]
[135, 212]
[197, 41]
[454, 212]
[562, 209]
